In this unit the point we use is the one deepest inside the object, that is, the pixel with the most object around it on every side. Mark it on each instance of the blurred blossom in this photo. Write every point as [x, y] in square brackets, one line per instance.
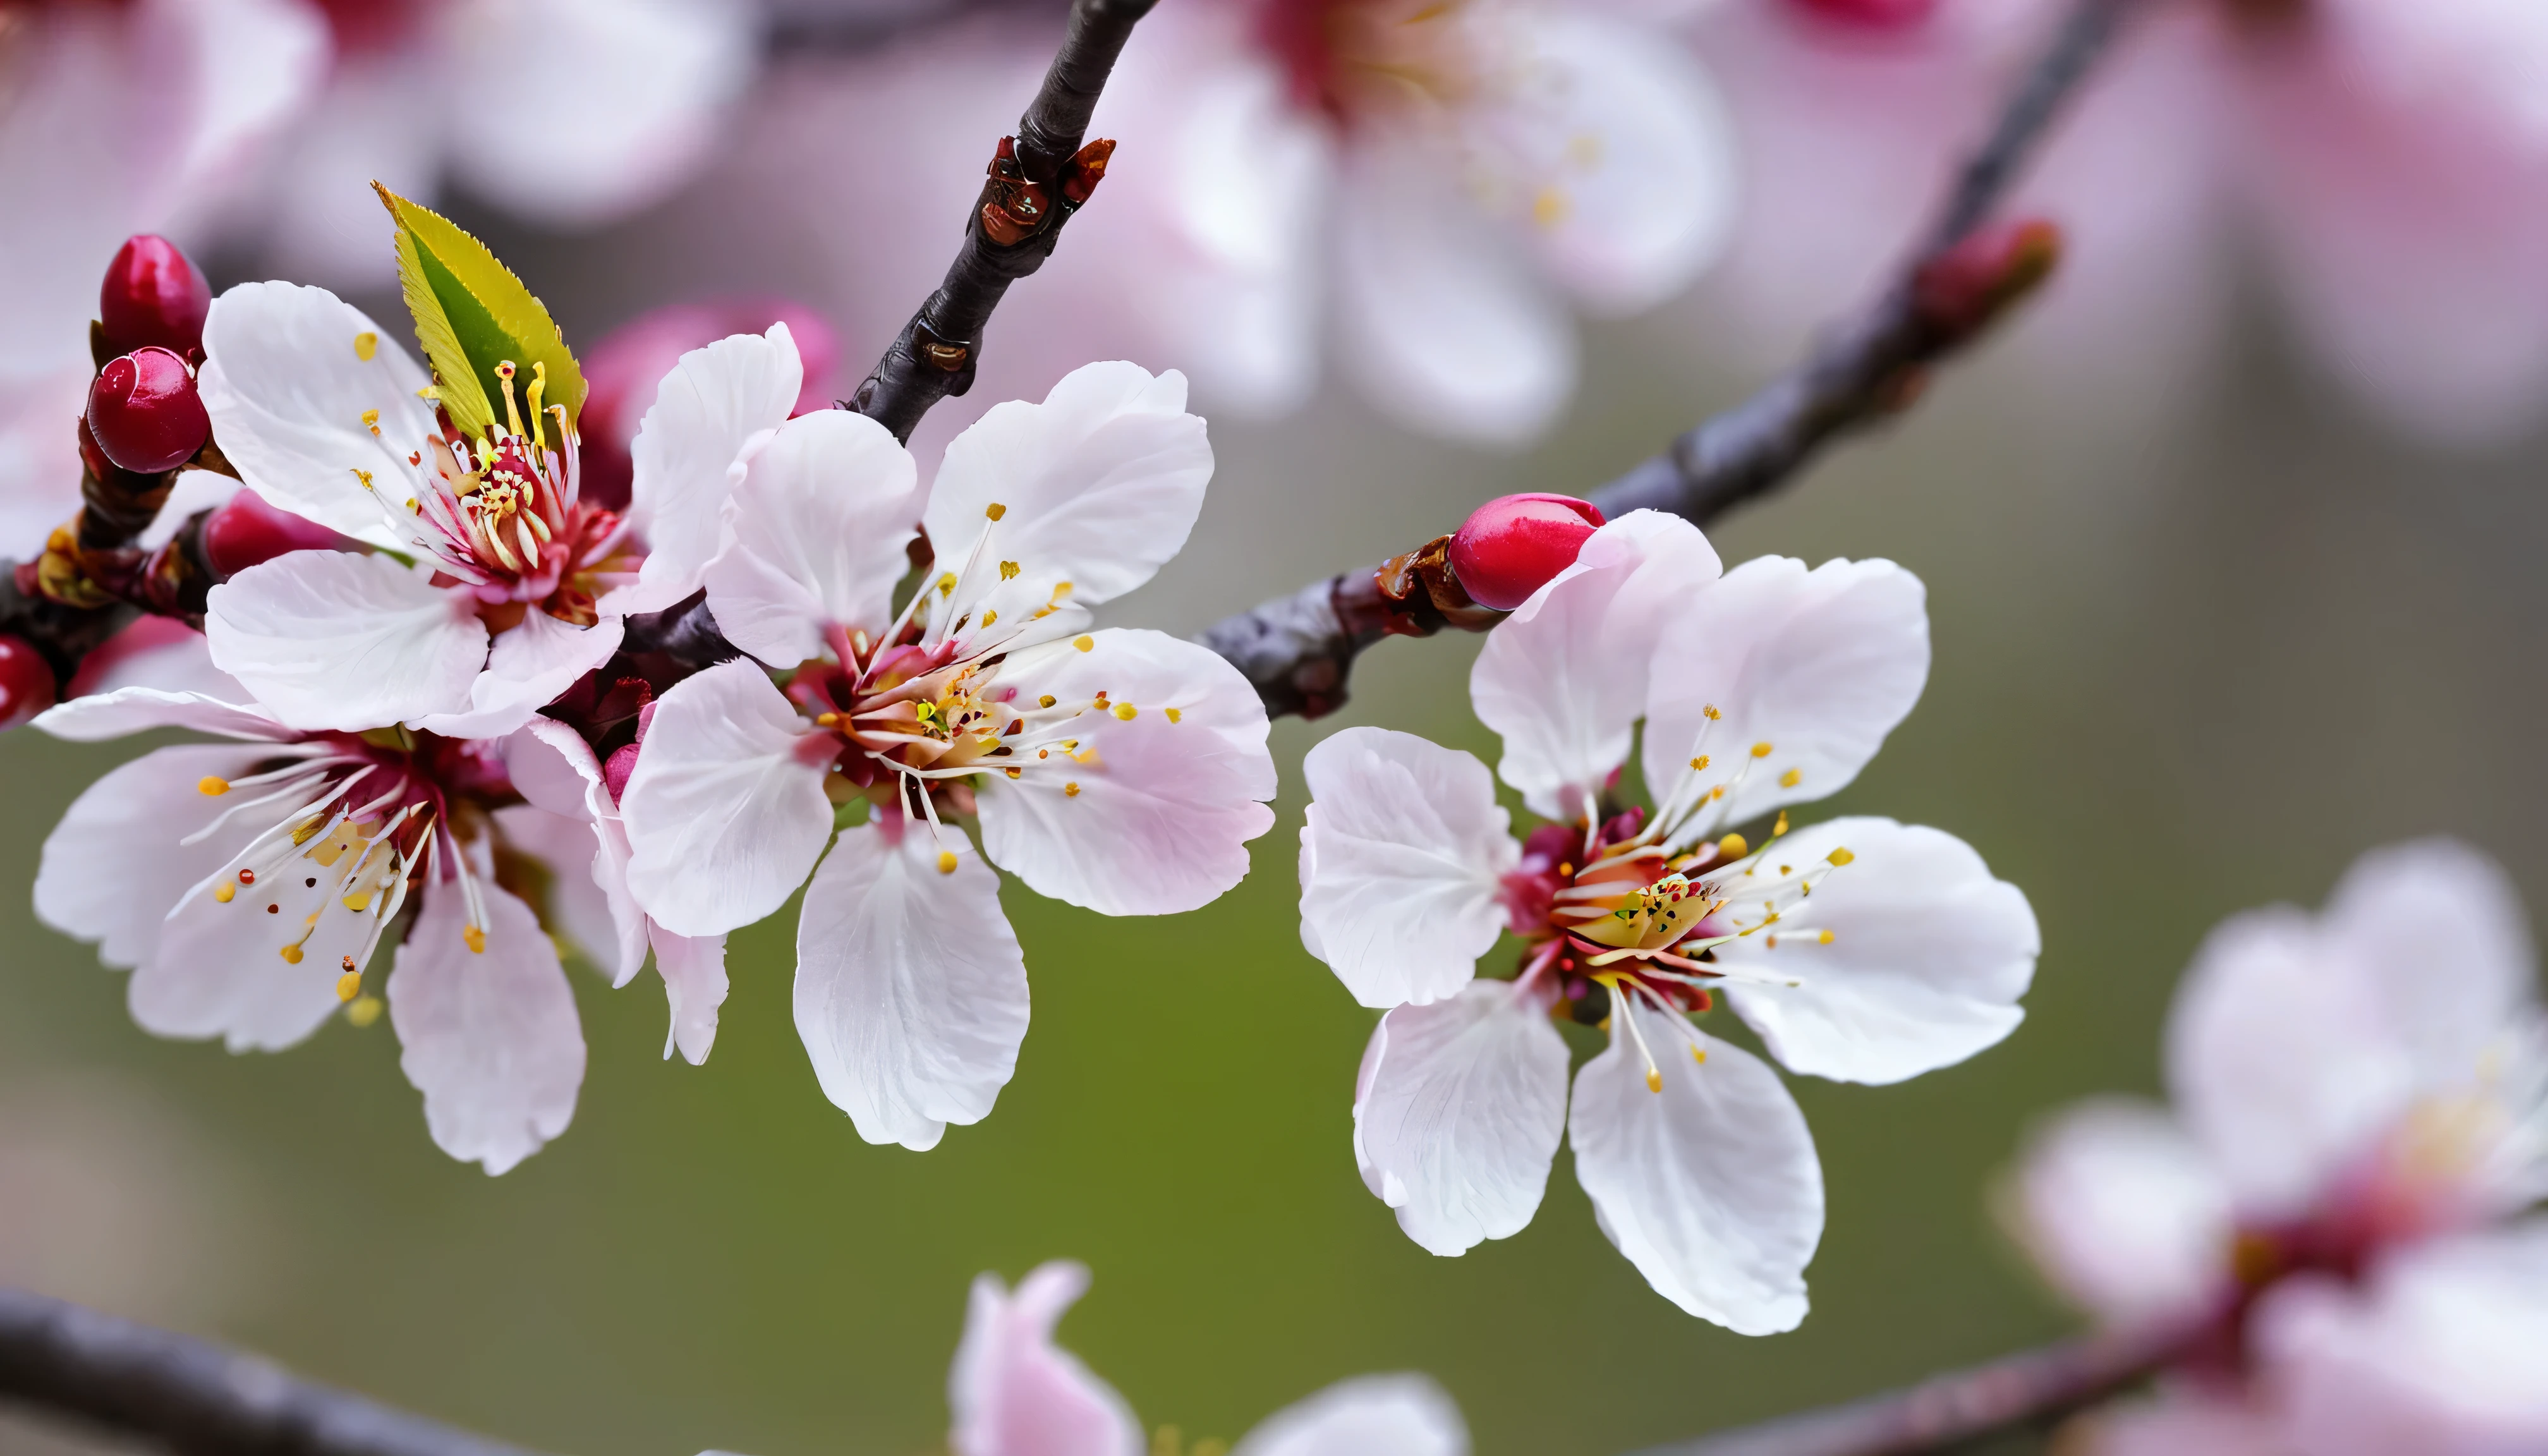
[2361, 1100]
[1859, 948]
[1015, 1393]
[2391, 158]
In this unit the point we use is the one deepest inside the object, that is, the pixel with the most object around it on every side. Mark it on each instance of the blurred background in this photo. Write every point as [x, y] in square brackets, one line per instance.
[2210, 620]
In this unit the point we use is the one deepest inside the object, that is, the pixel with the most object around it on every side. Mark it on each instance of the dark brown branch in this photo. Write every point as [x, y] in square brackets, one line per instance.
[194, 1397]
[1299, 649]
[2032, 1389]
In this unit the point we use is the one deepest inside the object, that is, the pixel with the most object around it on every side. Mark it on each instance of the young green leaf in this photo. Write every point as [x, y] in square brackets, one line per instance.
[472, 315]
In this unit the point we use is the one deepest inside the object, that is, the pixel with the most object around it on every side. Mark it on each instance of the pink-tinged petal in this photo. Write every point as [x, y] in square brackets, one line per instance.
[818, 529]
[552, 766]
[115, 866]
[1014, 1392]
[40, 464]
[1457, 1115]
[576, 908]
[2121, 1212]
[528, 666]
[1564, 679]
[717, 406]
[1170, 780]
[1927, 958]
[911, 992]
[2439, 931]
[1095, 487]
[488, 1035]
[260, 63]
[327, 639]
[1370, 1416]
[292, 400]
[694, 985]
[1710, 1186]
[220, 967]
[725, 814]
[158, 652]
[1403, 854]
[128, 710]
[1817, 665]
[2440, 1351]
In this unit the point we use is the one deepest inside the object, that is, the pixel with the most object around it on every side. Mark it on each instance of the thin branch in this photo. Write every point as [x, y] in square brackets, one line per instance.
[1299, 649]
[861, 31]
[2036, 1388]
[194, 1397]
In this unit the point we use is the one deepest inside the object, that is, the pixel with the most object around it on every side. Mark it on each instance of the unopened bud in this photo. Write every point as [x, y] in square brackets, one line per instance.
[26, 681]
[153, 296]
[145, 413]
[248, 531]
[1966, 288]
[1874, 15]
[1513, 545]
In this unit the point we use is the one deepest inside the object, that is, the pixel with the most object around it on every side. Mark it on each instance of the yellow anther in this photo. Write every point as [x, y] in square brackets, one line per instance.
[1653, 1080]
[1788, 779]
[1732, 847]
[292, 954]
[1718, 793]
[1013, 773]
[1548, 208]
[1083, 642]
[1175, 716]
[1825, 938]
[1125, 711]
[1698, 1055]
[946, 861]
[947, 585]
[364, 1011]
[827, 719]
[429, 395]
[1061, 589]
[476, 936]
[1839, 857]
[989, 617]
[366, 344]
[1780, 828]
[349, 985]
[1071, 790]
[362, 474]
[996, 511]
[1712, 713]
[212, 784]
[225, 891]
[1697, 763]
[1565, 869]
[1759, 749]
[1046, 701]
[1008, 571]
[372, 420]
[1773, 942]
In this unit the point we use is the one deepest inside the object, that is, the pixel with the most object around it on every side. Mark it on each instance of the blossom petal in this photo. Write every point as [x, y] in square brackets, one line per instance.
[1403, 855]
[1711, 1186]
[2439, 931]
[1369, 1415]
[1097, 487]
[488, 1035]
[576, 908]
[714, 408]
[115, 866]
[725, 814]
[293, 400]
[2121, 1212]
[222, 967]
[692, 968]
[911, 992]
[329, 639]
[1014, 1392]
[1152, 812]
[819, 525]
[1927, 958]
[528, 666]
[1457, 1115]
[1564, 679]
[1816, 666]
[128, 710]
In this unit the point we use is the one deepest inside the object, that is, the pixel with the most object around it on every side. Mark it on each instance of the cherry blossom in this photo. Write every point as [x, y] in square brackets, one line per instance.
[1115, 769]
[1857, 949]
[1015, 1393]
[2361, 1102]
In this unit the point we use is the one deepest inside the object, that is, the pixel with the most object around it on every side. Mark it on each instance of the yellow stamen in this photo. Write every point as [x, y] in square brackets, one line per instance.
[1825, 938]
[1732, 847]
[946, 861]
[1071, 790]
[1083, 642]
[364, 1011]
[476, 937]
[349, 985]
[1046, 701]
[366, 344]
[1125, 711]
[1008, 571]
[212, 784]
[372, 420]
[1697, 763]
[225, 891]
[1839, 857]
[1653, 1080]
[1788, 779]
[292, 954]
[989, 617]
[1759, 749]
[1175, 716]
[996, 511]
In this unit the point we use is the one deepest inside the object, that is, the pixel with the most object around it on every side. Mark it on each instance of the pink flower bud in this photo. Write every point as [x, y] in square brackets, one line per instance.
[144, 412]
[249, 530]
[1872, 14]
[1510, 546]
[153, 294]
[26, 681]
[1966, 288]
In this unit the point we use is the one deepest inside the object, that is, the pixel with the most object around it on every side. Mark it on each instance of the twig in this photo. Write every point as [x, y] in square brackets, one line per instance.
[1299, 649]
[1941, 1412]
[196, 1398]
[858, 30]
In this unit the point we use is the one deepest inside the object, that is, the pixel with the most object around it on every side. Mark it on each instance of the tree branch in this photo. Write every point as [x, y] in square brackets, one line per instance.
[194, 1397]
[1299, 649]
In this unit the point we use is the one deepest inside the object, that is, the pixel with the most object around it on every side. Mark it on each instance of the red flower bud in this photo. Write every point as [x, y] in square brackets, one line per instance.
[26, 681]
[1510, 546]
[144, 412]
[248, 531]
[153, 296]
[1966, 288]
[1872, 14]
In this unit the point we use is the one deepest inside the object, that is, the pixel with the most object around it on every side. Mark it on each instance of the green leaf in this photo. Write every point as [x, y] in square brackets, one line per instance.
[470, 314]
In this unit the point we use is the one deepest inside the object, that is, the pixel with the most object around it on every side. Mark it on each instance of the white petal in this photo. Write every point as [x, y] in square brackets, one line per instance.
[1403, 854]
[714, 407]
[1928, 957]
[1819, 665]
[1164, 807]
[1457, 1115]
[329, 639]
[2440, 928]
[489, 1037]
[163, 652]
[1097, 487]
[818, 527]
[725, 815]
[694, 985]
[1564, 679]
[552, 766]
[113, 869]
[2123, 1214]
[288, 392]
[1444, 321]
[220, 969]
[577, 909]
[911, 992]
[128, 710]
[528, 666]
[1369, 1415]
[554, 769]
[1710, 1187]
[1014, 1392]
